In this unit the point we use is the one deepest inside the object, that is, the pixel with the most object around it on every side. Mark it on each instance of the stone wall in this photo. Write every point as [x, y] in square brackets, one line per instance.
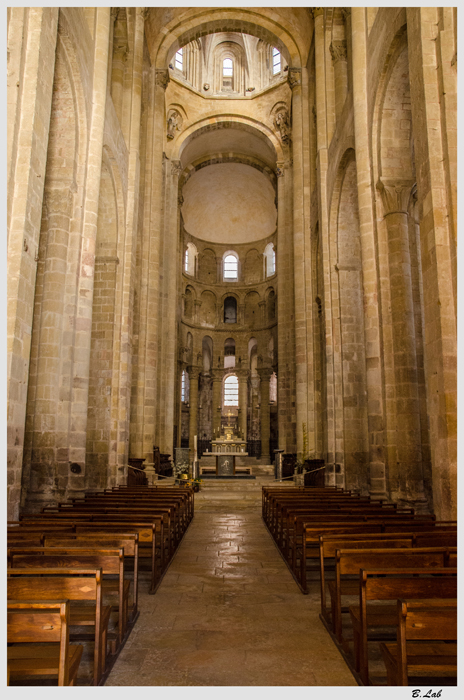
[355, 148]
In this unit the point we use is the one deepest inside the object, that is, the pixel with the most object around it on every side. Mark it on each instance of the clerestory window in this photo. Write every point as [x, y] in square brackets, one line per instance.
[276, 61]
[179, 60]
[230, 271]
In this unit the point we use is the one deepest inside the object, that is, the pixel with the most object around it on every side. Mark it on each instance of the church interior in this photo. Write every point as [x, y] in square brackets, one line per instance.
[231, 301]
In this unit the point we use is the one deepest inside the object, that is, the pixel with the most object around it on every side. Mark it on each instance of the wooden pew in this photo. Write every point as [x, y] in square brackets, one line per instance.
[128, 542]
[76, 585]
[111, 562]
[348, 563]
[329, 544]
[381, 584]
[30, 625]
[422, 627]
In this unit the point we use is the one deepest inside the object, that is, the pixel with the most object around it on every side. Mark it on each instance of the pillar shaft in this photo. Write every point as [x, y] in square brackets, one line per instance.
[194, 373]
[375, 394]
[265, 376]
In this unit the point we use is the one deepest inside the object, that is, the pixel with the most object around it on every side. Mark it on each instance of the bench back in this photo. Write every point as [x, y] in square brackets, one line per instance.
[32, 622]
[406, 583]
[55, 584]
[110, 561]
[350, 561]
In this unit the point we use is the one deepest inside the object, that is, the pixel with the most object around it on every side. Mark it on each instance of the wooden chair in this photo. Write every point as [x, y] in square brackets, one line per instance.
[30, 625]
[422, 628]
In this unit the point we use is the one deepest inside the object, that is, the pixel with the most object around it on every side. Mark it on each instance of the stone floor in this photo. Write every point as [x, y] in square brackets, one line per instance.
[228, 612]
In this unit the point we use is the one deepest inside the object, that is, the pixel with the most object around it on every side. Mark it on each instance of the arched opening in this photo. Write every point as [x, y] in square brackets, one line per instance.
[231, 391]
[270, 260]
[229, 353]
[230, 310]
[230, 267]
[190, 259]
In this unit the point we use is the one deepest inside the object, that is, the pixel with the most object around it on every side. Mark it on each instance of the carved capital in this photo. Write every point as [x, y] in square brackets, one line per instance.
[143, 11]
[162, 78]
[395, 194]
[193, 371]
[265, 373]
[317, 11]
[346, 12]
[294, 77]
[176, 167]
[180, 199]
[280, 172]
[59, 199]
[338, 51]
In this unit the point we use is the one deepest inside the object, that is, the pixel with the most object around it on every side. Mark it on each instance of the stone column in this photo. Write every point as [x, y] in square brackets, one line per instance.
[150, 284]
[216, 409]
[285, 308]
[32, 34]
[406, 480]
[339, 58]
[194, 373]
[242, 401]
[167, 341]
[49, 461]
[265, 375]
[371, 293]
[122, 375]
[433, 81]
[85, 283]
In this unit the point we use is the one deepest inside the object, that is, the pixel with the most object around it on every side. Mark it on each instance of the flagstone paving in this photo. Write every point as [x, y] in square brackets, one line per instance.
[228, 613]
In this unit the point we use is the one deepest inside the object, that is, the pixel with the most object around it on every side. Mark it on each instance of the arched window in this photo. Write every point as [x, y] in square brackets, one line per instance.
[270, 259]
[227, 68]
[230, 310]
[184, 387]
[179, 60]
[231, 391]
[229, 353]
[230, 269]
[190, 258]
[276, 62]
[273, 388]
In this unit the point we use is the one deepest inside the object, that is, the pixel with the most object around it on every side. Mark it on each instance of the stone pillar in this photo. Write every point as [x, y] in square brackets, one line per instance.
[121, 393]
[85, 283]
[216, 409]
[433, 81]
[285, 308]
[265, 375]
[167, 341]
[150, 284]
[194, 373]
[242, 401]
[339, 58]
[371, 293]
[49, 461]
[406, 481]
[31, 39]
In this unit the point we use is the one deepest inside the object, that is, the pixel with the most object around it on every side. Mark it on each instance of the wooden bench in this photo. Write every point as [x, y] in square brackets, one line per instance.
[77, 585]
[101, 540]
[110, 561]
[348, 563]
[30, 625]
[422, 629]
[383, 584]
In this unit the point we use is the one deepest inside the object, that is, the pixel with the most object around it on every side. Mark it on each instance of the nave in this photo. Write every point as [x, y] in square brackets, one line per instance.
[228, 612]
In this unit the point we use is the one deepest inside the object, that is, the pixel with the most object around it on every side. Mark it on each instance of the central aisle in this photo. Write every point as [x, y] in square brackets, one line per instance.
[228, 612]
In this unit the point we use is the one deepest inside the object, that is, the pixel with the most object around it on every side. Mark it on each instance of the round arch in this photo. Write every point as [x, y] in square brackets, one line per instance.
[197, 22]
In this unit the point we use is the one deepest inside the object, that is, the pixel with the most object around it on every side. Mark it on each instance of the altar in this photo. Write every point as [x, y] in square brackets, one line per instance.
[225, 447]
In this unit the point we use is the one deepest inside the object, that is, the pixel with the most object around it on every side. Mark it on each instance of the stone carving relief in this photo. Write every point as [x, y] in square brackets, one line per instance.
[282, 124]
[162, 78]
[174, 123]
[338, 51]
[294, 77]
